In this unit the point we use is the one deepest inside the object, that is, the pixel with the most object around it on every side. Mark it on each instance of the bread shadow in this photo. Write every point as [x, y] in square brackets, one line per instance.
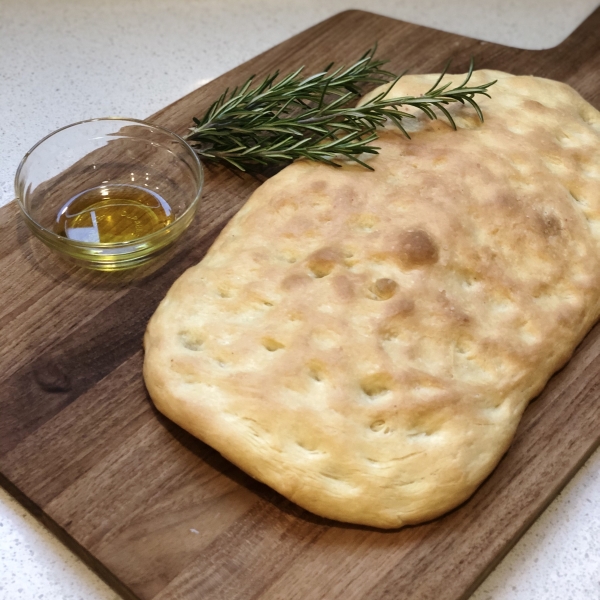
[469, 508]
[211, 457]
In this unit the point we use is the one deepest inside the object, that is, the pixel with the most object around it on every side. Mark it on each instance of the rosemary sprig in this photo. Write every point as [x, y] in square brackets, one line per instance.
[277, 122]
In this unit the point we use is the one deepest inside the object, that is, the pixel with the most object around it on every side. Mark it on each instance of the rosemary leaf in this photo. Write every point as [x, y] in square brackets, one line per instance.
[278, 121]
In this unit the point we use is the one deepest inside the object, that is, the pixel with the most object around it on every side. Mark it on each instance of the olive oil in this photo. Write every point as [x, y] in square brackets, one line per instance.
[113, 214]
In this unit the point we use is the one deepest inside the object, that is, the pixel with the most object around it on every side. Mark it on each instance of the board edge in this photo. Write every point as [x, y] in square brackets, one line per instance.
[95, 565]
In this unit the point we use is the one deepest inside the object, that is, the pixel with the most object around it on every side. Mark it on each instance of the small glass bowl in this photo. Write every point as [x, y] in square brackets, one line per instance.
[102, 153]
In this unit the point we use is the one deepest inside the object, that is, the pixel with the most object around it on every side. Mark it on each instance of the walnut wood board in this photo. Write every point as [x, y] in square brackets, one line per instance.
[160, 515]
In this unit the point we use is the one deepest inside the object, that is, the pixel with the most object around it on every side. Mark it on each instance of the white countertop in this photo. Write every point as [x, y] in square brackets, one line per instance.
[64, 60]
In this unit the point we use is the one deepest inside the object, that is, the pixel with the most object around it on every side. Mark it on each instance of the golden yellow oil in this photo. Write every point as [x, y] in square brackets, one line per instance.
[113, 213]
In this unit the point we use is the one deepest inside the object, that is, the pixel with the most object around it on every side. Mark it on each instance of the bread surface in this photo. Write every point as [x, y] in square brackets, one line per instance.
[366, 342]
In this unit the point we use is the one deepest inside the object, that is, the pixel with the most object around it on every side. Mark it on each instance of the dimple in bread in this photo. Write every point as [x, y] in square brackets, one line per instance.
[366, 342]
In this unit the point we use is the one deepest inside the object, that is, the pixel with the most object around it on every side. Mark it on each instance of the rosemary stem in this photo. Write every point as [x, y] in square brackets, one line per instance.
[278, 121]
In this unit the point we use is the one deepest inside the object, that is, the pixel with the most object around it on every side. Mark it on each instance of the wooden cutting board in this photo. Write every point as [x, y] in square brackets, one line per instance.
[160, 515]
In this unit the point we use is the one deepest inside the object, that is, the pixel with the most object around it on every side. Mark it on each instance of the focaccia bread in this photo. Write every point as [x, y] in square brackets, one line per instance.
[366, 342]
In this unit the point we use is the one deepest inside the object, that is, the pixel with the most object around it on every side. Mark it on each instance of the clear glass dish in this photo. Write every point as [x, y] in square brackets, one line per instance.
[154, 172]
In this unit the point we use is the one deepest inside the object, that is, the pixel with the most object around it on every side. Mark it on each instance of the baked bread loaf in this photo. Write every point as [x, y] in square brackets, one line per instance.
[366, 342]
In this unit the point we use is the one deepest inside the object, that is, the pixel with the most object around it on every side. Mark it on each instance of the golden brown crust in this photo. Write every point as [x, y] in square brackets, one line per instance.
[365, 343]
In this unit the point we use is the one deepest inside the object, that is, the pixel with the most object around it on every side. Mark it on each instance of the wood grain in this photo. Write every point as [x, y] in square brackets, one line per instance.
[159, 514]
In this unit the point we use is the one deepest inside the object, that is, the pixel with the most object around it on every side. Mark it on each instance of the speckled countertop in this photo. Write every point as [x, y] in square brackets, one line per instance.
[64, 60]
